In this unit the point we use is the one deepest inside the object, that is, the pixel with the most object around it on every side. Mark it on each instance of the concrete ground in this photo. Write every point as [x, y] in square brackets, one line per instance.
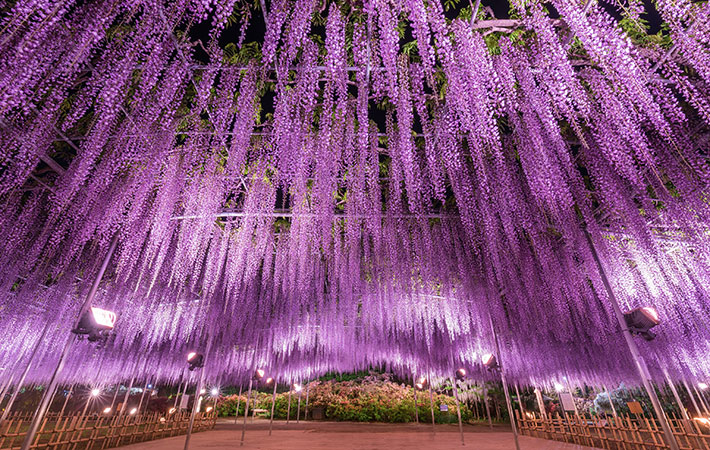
[350, 436]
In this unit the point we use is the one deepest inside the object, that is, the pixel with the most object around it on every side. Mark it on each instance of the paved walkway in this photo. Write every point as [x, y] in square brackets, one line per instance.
[350, 436]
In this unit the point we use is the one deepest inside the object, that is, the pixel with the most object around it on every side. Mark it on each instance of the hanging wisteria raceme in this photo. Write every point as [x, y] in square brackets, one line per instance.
[361, 185]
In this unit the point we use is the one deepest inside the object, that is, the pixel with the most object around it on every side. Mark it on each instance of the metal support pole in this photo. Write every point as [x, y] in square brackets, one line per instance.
[273, 406]
[54, 380]
[458, 408]
[633, 349]
[195, 404]
[305, 417]
[246, 412]
[66, 400]
[684, 413]
[288, 411]
[431, 404]
[125, 397]
[239, 401]
[145, 389]
[513, 425]
[520, 400]
[416, 410]
[24, 374]
[702, 401]
[488, 408]
[298, 410]
[177, 394]
[611, 402]
[692, 399]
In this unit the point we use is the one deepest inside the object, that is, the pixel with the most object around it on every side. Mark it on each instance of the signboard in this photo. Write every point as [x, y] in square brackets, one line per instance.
[183, 401]
[567, 401]
[635, 407]
[444, 408]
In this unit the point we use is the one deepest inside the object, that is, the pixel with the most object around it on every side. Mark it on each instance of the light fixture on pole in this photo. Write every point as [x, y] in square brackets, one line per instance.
[96, 323]
[195, 360]
[641, 320]
[461, 374]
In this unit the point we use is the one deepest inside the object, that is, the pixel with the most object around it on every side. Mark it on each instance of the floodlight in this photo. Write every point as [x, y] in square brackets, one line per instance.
[259, 374]
[269, 380]
[421, 383]
[95, 392]
[107, 410]
[97, 323]
[297, 387]
[559, 387]
[461, 374]
[214, 392]
[641, 320]
[202, 391]
[195, 360]
[702, 386]
[490, 361]
[162, 420]
[208, 409]
[171, 410]
[133, 411]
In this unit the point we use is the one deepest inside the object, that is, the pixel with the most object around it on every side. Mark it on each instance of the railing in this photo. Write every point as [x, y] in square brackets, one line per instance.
[624, 432]
[97, 431]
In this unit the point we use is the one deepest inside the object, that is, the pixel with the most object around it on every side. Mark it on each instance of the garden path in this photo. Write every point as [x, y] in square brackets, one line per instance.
[350, 436]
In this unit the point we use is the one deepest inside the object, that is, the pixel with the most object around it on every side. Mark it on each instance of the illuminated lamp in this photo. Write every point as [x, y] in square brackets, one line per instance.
[95, 392]
[133, 411]
[490, 361]
[420, 384]
[259, 374]
[208, 409]
[461, 374]
[107, 410]
[214, 392]
[559, 387]
[195, 360]
[96, 323]
[297, 387]
[703, 386]
[269, 380]
[171, 410]
[641, 320]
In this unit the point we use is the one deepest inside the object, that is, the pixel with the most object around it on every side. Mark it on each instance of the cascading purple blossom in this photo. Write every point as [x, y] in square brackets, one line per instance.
[311, 231]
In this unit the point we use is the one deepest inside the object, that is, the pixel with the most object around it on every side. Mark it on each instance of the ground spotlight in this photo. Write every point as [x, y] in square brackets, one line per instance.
[96, 323]
[95, 392]
[133, 411]
[195, 360]
[171, 410]
[107, 410]
[297, 387]
[559, 387]
[208, 409]
[420, 384]
[461, 374]
[641, 320]
[214, 392]
[490, 361]
[269, 380]
[259, 374]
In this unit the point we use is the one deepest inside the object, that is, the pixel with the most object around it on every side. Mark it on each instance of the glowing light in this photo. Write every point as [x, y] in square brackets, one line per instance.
[171, 410]
[269, 380]
[208, 409]
[702, 420]
[191, 355]
[297, 387]
[203, 390]
[422, 380]
[95, 392]
[559, 387]
[107, 410]
[487, 358]
[133, 411]
[652, 313]
[162, 420]
[461, 372]
[103, 317]
[702, 386]
[260, 373]
[214, 392]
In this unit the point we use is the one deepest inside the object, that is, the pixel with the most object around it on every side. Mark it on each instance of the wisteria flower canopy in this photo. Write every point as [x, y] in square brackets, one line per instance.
[309, 186]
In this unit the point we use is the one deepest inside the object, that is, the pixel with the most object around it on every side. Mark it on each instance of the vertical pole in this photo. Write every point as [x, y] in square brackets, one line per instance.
[145, 389]
[288, 411]
[702, 401]
[683, 411]
[125, 397]
[611, 402]
[458, 408]
[488, 408]
[195, 403]
[416, 409]
[5, 388]
[298, 410]
[633, 349]
[540, 403]
[177, 394]
[305, 417]
[54, 380]
[246, 411]
[690, 394]
[24, 374]
[239, 401]
[273, 406]
[115, 395]
[66, 400]
[513, 425]
[431, 404]
[520, 400]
